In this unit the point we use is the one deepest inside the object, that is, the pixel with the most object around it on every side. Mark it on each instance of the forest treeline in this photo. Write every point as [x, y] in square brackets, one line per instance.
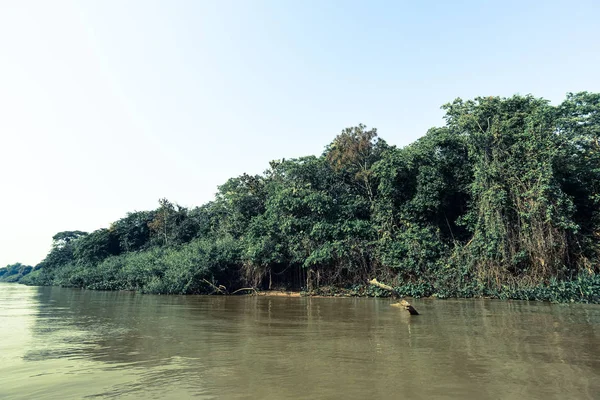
[502, 201]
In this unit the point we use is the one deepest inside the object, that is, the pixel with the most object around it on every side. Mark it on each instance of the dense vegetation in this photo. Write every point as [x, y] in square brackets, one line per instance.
[502, 201]
[14, 272]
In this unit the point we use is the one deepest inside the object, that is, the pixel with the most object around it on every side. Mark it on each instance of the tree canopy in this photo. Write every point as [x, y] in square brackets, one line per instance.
[502, 201]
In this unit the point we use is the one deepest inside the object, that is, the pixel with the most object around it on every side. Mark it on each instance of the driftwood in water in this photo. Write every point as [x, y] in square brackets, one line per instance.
[402, 304]
[406, 305]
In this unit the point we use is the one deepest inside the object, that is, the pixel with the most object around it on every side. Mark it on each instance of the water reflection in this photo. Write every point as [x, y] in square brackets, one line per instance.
[77, 343]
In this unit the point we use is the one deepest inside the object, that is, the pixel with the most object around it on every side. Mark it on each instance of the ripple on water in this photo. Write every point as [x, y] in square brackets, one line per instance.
[71, 344]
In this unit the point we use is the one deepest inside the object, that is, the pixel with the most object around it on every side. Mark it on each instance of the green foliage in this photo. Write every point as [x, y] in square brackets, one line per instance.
[584, 288]
[14, 272]
[96, 246]
[31, 278]
[133, 231]
[353, 153]
[503, 201]
[62, 239]
[175, 270]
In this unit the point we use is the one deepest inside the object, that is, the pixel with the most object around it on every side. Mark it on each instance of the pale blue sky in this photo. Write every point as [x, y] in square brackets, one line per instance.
[106, 106]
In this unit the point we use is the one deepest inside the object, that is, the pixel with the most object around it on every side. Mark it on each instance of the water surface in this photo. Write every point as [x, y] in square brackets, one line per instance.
[70, 344]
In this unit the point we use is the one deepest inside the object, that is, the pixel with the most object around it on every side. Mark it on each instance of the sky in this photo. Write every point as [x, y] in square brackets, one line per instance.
[107, 106]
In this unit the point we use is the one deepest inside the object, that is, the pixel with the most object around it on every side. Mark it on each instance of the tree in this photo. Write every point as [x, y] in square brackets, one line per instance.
[64, 238]
[423, 191]
[132, 231]
[162, 223]
[520, 216]
[14, 272]
[62, 249]
[354, 151]
[238, 201]
[505, 196]
[96, 246]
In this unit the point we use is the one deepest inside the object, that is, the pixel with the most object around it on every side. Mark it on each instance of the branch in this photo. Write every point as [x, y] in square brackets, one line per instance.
[246, 288]
[221, 289]
[383, 286]
[403, 303]
[406, 305]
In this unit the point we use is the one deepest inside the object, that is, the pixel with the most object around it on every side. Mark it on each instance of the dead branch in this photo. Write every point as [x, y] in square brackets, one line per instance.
[246, 288]
[383, 286]
[221, 289]
[402, 304]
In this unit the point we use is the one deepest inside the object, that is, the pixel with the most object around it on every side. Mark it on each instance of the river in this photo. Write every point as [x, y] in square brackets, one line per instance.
[59, 343]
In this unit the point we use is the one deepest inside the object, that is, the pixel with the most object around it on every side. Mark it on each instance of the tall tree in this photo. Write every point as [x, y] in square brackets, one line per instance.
[162, 222]
[354, 151]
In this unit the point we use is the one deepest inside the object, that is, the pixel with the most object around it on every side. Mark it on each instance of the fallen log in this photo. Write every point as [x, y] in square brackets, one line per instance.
[402, 304]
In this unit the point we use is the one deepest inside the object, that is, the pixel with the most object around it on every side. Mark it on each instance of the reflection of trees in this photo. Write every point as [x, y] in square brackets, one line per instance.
[259, 347]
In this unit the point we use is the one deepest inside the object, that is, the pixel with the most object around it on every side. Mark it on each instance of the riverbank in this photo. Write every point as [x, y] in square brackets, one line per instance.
[583, 289]
[279, 293]
[146, 273]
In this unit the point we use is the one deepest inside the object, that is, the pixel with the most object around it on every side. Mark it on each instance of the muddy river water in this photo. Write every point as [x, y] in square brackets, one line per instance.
[59, 343]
